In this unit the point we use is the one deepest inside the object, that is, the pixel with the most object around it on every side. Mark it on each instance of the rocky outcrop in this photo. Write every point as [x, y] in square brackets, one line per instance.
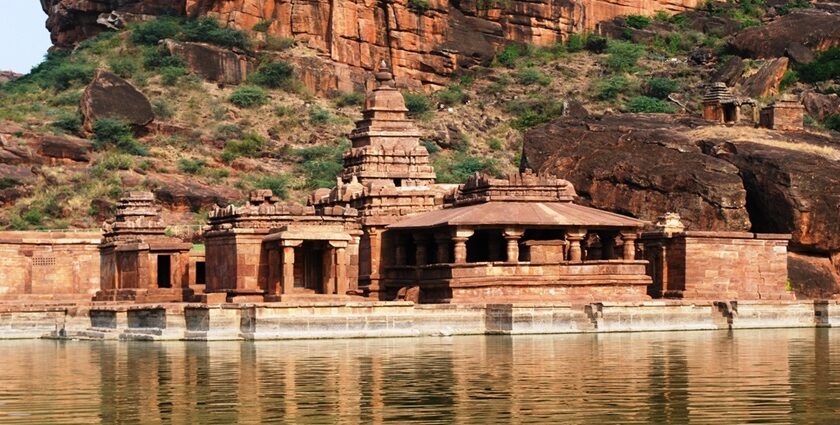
[109, 96]
[184, 194]
[65, 148]
[766, 80]
[814, 30]
[211, 62]
[71, 21]
[425, 45]
[821, 106]
[6, 76]
[640, 165]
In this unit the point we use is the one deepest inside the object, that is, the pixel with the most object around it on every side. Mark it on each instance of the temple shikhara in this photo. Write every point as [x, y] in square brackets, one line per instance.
[387, 231]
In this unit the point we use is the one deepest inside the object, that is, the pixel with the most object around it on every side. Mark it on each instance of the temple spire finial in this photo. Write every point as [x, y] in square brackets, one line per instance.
[384, 77]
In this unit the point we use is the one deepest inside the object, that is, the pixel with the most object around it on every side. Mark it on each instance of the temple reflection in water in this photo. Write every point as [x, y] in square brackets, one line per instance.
[760, 376]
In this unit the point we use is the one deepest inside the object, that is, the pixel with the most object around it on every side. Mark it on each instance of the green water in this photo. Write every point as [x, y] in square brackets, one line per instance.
[767, 376]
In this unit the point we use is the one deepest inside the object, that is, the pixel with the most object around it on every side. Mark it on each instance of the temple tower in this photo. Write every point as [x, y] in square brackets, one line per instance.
[386, 143]
[138, 261]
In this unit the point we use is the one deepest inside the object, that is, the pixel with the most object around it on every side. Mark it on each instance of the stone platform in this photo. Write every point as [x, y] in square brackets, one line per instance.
[272, 321]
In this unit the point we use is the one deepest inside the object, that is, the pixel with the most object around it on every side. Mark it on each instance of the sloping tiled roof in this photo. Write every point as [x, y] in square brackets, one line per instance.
[519, 213]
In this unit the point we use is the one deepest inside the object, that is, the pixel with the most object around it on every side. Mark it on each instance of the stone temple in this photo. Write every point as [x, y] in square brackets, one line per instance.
[387, 231]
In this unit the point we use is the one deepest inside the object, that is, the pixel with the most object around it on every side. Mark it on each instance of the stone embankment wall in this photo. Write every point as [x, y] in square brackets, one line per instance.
[400, 319]
[49, 265]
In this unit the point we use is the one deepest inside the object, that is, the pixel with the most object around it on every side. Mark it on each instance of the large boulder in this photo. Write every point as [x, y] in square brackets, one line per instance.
[64, 148]
[109, 96]
[766, 80]
[814, 30]
[821, 106]
[640, 165]
[181, 193]
[812, 276]
[211, 62]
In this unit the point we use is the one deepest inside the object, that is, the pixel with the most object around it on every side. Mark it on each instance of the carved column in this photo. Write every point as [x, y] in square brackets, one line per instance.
[629, 240]
[575, 236]
[340, 263]
[442, 244]
[512, 236]
[460, 239]
[289, 265]
[375, 239]
[274, 272]
[420, 255]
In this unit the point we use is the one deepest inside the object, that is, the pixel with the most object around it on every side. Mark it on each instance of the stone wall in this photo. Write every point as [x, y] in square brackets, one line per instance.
[719, 265]
[48, 265]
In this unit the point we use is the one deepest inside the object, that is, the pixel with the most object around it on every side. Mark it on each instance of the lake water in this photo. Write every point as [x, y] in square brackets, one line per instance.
[761, 376]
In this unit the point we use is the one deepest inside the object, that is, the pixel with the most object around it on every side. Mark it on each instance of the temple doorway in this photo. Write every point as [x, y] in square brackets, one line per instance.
[164, 271]
[311, 266]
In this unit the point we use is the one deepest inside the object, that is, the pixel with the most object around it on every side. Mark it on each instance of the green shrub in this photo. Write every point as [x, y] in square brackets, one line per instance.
[208, 30]
[319, 115]
[790, 78]
[159, 58]
[533, 112]
[58, 71]
[249, 97]
[70, 123]
[623, 56]
[151, 32]
[494, 144]
[638, 21]
[451, 96]
[33, 216]
[790, 6]
[430, 146]
[274, 75]
[162, 109]
[596, 44]
[170, 75]
[262, 26]
[250, 146]
[417, 104]
[509, 55]
[350, 99]
[640, 104]
[108, 131]
[832, 122]
[530, 75]
[279, 185]
[825, 67]
[191, 166]
[8, 183]
[320, 165]
[66, 99]
[116, 161]
[460, 166]
[610, 88]
[124, 66]
[660, 87]
[419, 6]
[575, 42]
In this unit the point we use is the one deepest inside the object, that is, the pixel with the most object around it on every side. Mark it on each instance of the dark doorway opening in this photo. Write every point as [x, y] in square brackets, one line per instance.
[200, 273]
[164, 271]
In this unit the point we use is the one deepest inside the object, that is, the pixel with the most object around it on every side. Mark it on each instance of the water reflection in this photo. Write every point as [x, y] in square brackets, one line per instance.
[772, 376]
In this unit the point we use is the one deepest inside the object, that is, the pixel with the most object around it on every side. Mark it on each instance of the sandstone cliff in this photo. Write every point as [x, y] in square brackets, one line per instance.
[426, 41]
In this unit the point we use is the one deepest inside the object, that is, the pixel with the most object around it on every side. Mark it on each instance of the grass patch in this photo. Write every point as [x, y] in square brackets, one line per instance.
[350, 99]
[660, 87]
[623, 56]
[418, 104]
[111, 132]
[274, 75]
[533, 112]
[320, 164]
[646, 104]
[458, 167]
[250, 146]
[191, 166]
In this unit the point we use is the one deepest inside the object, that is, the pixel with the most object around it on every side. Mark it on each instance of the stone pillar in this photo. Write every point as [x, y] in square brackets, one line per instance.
[460, 239]
[420, 254]
[375, 238]
[629, 240]
[442, 244]
[289, 265]
[274, 271]
[340, 261]
[575, 236]
[512, 236]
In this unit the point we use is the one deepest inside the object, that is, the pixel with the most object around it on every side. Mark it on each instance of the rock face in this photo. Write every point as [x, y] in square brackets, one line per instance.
[71, 21]
[6, 76]
[109, 96]
[716, 179]
[211, 62]
[638, 165]
[821, 106]
[184, 194]
[424, 45]
[766, 80]
[817, 31]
